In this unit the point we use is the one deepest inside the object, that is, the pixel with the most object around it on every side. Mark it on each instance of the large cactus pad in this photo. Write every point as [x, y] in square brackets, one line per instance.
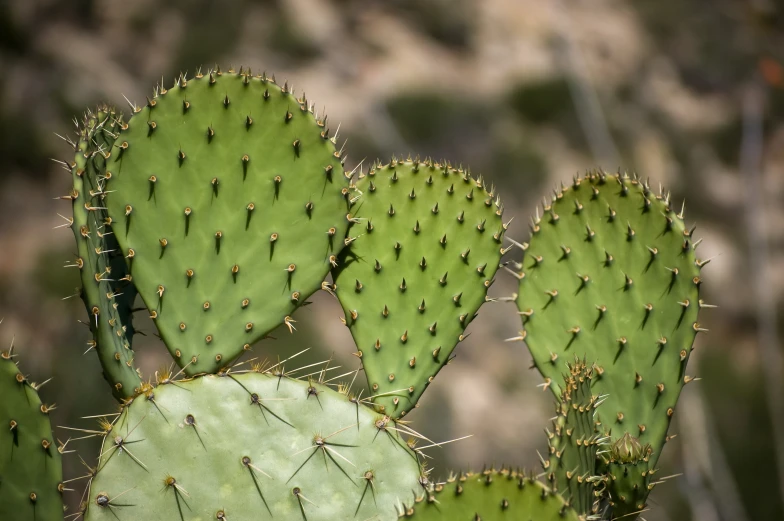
[491, 496]
[251, 446]
[610, 276]
[228, 199]
[30, 468]
[428, 248]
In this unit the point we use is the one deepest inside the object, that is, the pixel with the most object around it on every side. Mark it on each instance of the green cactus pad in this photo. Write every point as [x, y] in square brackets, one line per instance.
[251, 446]
[229, 201]
[610, 276]
[30, 465]
[428, 248]
[491, 496]
[574, 440]
[107, 291]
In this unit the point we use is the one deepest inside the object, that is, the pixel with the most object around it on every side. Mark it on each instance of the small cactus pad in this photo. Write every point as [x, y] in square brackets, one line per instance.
[491, 496]
[574, 440]
[251, 446]
[610, 276]
[107, 291]
[30, 468]
[228, 199]
[628, 475]
[428, 247]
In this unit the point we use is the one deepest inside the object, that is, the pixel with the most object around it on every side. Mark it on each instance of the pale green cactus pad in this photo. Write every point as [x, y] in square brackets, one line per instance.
[251, 446]
[428, 246]
[491, 496]
[30, 465]
[229, 201]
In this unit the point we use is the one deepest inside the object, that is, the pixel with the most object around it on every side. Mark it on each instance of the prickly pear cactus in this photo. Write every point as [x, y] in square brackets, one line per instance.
[228, 199]
[251, 446]
[428, 246]
[610, 275]
[107, 290]
[30, 469]
[491, 496]
[574, 440]
[224, 202]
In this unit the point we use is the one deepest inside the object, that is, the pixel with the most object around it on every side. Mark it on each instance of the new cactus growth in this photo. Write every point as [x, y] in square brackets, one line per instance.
[224, 202]
[31, 482]
[229, 202]
[429, 239]
[574, 440]
[491, 496]
[107, 290]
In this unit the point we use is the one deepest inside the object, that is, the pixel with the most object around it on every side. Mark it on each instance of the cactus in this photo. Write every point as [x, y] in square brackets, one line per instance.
[107, 290]
[224, 202]
[610, 275]
[573, 442]
[31, 484]
[250, 445]
[490, 496]
[428, 246]
[228, 199]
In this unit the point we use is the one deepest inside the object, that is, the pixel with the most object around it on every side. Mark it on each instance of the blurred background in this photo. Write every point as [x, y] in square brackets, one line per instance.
[527, 92]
